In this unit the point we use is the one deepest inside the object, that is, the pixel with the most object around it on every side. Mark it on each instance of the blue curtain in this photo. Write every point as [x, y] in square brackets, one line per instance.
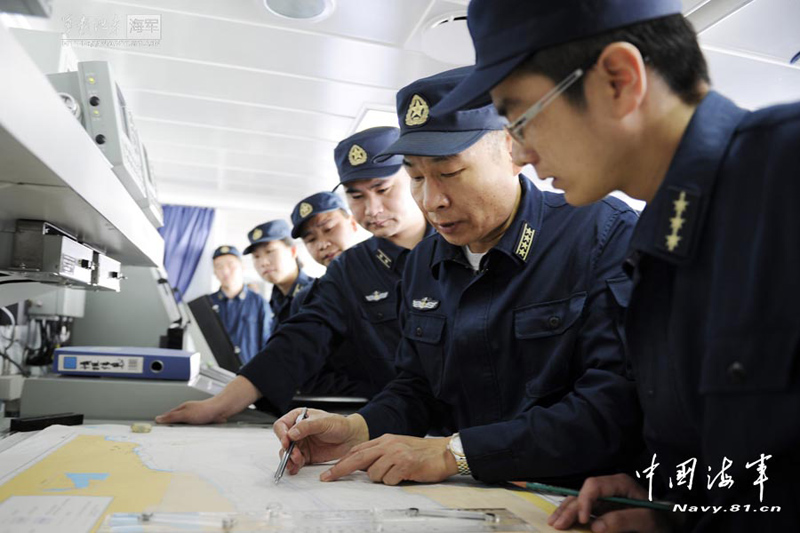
[185, 233]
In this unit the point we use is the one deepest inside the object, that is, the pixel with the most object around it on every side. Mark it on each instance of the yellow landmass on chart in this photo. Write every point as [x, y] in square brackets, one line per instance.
[93, 465]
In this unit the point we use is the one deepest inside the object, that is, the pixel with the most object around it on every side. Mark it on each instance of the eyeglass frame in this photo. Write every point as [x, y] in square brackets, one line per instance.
[515, 129]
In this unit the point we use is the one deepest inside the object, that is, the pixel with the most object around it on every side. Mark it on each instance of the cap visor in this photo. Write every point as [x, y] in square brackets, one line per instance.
[476, 86]
[432, 143]
[297, 229]
[371, 173]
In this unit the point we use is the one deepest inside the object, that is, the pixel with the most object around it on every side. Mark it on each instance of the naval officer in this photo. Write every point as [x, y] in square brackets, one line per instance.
[275, 259]
[244, 314]
[510, 322]
[353, 306]
[713, 323]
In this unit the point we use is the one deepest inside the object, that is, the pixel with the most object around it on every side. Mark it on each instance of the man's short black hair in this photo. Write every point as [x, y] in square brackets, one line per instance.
[668, 44]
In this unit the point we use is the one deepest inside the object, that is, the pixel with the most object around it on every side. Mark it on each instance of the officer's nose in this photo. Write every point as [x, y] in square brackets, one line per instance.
[374, 205]
[522, 155]
[434, 197]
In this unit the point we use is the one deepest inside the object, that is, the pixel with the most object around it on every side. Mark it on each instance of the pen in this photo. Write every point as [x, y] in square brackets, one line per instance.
[285, 459]
[629, 502]
[453, 513]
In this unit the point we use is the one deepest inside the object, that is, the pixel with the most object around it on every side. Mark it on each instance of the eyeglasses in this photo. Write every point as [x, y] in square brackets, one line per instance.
[517, 128]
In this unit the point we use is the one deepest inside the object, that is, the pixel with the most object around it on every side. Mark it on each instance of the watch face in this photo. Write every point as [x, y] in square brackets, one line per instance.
[456, 446]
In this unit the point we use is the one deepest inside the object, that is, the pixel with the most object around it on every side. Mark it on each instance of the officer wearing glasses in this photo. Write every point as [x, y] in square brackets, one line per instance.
[712, 327]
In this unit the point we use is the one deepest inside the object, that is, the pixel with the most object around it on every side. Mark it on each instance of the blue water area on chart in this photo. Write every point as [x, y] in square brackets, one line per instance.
[81, 481]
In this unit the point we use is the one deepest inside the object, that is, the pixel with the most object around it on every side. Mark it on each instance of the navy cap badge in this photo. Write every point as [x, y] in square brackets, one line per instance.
[418, 111]
[257, 233]
[357, 155]
[376, 296]
[425, 304]
[305, 209]
[224, 250]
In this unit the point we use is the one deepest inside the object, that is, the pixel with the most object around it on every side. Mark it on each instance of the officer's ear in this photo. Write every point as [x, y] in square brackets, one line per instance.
[620, 80]
[352, 222]
[293, 250]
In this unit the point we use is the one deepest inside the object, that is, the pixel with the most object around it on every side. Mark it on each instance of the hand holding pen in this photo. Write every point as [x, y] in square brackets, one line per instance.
[320, 437]
[285, 459]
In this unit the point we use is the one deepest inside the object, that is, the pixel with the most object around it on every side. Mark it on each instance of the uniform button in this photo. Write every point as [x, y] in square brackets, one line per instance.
[553, 322]
[236, 349]
[651, 392]
[380, 316]
[418, 331]
[737, 373]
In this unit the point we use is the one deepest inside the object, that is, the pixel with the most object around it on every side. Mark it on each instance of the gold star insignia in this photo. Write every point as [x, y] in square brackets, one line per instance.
[305, 209]
[676, 222]
[418, 111]
[357, 155]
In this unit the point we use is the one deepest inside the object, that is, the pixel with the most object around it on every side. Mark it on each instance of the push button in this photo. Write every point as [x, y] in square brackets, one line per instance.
[553, 322]
[737, 373]
[418, 332]
[379, 315]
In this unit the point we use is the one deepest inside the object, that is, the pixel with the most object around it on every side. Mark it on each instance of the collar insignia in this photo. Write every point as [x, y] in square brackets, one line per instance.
[257, 233]
[677, 222]
[525, 241]
[305, 209]
[383, 258]
[418, 111]
[376, 296]
[357, 155]
[242, 295]
[297, 288]
[425, 304]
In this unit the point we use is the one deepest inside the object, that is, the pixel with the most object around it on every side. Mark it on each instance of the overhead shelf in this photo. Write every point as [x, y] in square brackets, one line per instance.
[51, 170]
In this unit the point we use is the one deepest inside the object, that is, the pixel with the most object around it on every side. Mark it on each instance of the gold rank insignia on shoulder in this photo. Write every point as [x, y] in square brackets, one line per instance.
[425, 304]
[305, 209]
[224, 250]
[383, 258]
[257, 233]
[525, 241]
[376, 296]
[677, 221]
[357, 155]
[418, 111]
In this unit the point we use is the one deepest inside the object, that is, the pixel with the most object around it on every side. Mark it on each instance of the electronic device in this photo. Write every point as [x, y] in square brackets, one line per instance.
[47, 253]
[125, 399]
[215, 334]
[150, 205]
[107, 119]
[35, 423]
[126, 362]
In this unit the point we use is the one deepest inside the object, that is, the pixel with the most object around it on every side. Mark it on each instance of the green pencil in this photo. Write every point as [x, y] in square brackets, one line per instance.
[630, 502]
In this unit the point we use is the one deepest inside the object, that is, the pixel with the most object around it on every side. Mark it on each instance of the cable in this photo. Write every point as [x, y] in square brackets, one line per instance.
[13, 339]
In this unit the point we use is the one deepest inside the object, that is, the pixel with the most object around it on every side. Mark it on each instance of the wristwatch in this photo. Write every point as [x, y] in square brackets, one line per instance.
[457, 449]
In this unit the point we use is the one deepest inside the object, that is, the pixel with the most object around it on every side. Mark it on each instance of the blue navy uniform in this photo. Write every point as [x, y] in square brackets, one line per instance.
[279, 303]
[247, 320]
[525, 357]
[354, 303]
[713, 328]
[246, 317]
[344, 331]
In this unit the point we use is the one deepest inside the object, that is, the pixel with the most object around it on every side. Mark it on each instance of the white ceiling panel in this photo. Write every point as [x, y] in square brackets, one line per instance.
[181, 108]
[381, 21]
[140, 71]
[770, 28]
